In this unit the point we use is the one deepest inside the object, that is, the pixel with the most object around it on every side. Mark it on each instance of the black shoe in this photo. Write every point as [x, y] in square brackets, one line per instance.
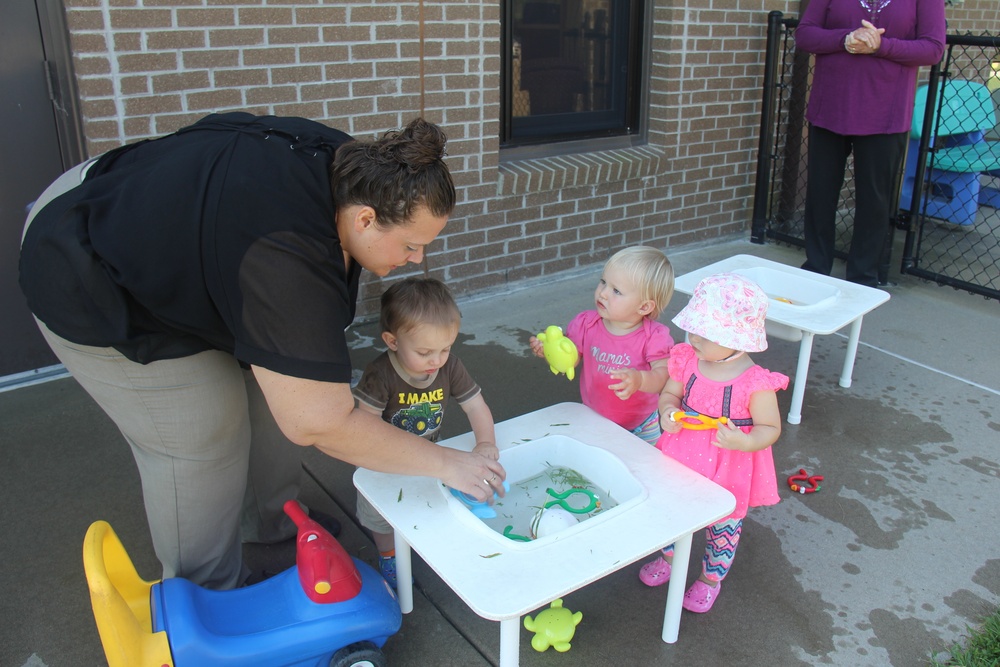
[864, 282]
[328, 523]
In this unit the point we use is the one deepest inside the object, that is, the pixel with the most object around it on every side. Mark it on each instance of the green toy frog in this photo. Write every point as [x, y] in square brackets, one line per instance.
[559, 351]
[553, 627]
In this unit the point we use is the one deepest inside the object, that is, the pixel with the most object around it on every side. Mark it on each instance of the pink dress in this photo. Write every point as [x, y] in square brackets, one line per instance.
[749, 476]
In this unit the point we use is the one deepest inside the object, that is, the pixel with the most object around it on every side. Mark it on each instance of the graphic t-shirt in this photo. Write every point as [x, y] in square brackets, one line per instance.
[416, 407]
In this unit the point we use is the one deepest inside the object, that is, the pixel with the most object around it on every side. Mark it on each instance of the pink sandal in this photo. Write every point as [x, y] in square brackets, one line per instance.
[655, 573]
[700, 597]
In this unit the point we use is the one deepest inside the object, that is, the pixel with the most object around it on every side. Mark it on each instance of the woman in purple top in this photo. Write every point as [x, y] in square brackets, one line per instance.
[867, 55]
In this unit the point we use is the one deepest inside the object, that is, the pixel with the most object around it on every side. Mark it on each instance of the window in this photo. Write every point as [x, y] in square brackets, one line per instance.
[571, 71]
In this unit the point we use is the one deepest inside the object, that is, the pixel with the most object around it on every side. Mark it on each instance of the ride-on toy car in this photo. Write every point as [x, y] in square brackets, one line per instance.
[328, 611]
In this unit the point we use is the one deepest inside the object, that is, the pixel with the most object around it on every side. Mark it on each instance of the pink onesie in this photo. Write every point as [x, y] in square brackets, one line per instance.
[602, 352]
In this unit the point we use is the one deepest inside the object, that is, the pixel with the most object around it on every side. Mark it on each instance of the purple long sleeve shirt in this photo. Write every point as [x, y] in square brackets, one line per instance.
[855, 94]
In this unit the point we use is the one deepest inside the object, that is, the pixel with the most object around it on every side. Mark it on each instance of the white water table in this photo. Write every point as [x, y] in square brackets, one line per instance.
[802, 305]
[500, 579]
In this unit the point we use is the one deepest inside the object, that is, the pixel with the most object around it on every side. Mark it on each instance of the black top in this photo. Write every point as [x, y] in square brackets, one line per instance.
[219, 236]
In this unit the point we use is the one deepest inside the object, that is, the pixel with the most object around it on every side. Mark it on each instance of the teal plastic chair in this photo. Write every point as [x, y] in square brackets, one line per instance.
[961, 153]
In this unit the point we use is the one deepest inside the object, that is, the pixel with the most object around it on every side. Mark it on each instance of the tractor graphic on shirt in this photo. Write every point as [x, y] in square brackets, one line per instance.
[419, 419]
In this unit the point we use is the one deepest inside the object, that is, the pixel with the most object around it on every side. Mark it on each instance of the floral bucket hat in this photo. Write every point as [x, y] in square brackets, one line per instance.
[728, 310]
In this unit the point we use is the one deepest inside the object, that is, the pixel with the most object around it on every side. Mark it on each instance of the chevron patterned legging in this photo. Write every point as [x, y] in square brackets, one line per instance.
[721, 540]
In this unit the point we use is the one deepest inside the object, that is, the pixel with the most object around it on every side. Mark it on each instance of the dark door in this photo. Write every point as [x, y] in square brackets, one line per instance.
[38, 141]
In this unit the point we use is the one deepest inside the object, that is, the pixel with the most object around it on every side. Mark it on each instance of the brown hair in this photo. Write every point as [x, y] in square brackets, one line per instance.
[415, 301]
[396, 174]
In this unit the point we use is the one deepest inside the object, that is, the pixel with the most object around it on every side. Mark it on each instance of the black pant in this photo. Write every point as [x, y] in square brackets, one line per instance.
[877, 162]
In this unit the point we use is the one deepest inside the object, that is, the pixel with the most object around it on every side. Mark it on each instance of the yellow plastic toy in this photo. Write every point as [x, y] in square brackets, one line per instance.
[120, 599]
[696, 421]
[553, 627]
[559, 351]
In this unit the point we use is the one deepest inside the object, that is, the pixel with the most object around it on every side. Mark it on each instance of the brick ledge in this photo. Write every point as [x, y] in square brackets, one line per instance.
[566, 171]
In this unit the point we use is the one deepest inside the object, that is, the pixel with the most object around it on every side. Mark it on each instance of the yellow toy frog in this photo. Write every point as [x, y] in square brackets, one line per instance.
[559, 351]
[553, 627]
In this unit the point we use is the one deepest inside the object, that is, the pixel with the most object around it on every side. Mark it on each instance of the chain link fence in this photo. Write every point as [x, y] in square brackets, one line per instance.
[949, 206]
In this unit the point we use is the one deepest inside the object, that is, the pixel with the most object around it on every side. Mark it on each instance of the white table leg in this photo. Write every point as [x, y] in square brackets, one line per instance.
[404, 575]
[675, 589]
[799, 383]
[510, 635]
[852, 352]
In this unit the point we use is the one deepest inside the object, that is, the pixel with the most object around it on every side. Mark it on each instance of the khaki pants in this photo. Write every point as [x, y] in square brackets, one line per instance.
[370, 518]
[210, 455]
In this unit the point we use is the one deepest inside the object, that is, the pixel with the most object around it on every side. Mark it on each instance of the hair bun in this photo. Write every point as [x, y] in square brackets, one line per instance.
[418, 145]
[395, 174]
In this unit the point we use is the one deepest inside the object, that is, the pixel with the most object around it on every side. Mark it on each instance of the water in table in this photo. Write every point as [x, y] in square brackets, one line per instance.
[520, 507]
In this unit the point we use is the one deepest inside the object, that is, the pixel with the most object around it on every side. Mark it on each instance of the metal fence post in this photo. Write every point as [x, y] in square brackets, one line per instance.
[758, 229]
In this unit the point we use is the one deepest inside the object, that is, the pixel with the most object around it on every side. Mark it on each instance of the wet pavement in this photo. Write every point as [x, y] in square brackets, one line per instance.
[886, 565]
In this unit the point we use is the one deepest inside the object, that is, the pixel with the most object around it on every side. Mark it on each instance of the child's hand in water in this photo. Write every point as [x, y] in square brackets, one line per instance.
[629, 381]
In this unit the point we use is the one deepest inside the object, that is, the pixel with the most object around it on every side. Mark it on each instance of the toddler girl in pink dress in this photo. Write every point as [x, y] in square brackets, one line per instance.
[713, 376]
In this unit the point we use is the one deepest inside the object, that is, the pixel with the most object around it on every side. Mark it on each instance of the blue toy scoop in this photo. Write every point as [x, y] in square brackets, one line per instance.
[480, 508]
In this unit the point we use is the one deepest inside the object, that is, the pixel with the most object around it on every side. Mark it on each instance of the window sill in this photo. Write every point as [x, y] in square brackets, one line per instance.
[544, 174]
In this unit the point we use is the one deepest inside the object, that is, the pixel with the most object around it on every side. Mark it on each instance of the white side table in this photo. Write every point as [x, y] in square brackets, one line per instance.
[820, 305]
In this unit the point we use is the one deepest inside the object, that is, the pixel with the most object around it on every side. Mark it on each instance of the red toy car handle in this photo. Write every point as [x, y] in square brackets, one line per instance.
[326, 571]
[803, 476]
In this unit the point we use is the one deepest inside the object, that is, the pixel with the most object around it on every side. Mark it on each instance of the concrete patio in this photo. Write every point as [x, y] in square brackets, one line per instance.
[887, 565]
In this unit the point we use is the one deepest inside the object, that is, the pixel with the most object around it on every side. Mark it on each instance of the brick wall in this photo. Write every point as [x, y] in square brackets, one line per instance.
[975, 17]
[148, 67]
